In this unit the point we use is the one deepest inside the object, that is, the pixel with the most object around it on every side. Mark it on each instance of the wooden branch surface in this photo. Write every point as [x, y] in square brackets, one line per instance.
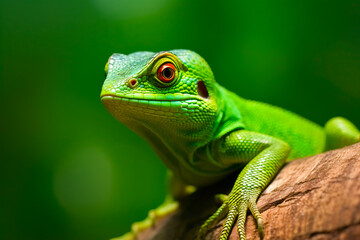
[314, 198]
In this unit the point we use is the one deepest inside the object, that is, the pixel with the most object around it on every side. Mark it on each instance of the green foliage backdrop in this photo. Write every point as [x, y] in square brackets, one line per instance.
[68, 170]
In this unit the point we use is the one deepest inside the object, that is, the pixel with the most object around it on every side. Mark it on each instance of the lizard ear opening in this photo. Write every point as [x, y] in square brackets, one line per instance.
[202, 90]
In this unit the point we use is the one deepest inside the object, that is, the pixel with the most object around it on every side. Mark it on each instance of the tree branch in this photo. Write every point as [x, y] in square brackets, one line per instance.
[316, 197]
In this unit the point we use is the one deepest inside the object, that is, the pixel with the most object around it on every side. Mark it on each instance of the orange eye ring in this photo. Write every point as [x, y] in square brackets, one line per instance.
[166, 72]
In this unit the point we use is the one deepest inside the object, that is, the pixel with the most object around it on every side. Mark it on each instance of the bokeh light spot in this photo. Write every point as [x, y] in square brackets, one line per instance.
[83, 183]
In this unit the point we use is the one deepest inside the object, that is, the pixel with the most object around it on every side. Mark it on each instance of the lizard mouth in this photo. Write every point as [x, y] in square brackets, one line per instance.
[150, 97]
[154, 105]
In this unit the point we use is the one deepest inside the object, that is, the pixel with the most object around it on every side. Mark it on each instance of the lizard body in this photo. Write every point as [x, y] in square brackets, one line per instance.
[203, 132]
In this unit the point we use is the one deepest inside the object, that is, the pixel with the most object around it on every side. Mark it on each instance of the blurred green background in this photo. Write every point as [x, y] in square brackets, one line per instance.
[68, 170]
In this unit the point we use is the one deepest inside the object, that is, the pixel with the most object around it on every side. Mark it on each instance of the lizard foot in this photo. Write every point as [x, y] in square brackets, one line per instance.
[221, 198]
[126, 236]
[153, 215]
[234, 207]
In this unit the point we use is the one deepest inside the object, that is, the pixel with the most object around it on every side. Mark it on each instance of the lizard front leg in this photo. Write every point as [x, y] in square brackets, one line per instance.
[265, 156]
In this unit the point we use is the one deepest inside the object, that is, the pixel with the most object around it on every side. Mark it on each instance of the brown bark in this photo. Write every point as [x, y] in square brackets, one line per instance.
[311, 198]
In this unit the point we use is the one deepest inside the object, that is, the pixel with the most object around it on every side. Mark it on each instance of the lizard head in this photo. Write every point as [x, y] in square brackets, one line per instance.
[174, 88]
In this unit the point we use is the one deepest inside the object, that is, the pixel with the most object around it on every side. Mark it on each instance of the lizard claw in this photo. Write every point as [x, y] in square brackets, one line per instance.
[256, 213]
[218, 215]
[260, 228]
[234, 207]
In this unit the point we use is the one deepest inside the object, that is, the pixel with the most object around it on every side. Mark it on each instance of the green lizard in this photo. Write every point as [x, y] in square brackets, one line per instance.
[203, 132]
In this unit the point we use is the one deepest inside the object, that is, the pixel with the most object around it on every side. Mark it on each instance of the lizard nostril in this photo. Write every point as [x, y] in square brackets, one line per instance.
[133, 83]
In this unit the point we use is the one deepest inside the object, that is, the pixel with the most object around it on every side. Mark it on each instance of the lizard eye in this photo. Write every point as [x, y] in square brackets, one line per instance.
[166, 72]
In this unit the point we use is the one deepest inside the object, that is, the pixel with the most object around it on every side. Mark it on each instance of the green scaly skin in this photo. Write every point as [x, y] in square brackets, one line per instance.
[203, 132]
